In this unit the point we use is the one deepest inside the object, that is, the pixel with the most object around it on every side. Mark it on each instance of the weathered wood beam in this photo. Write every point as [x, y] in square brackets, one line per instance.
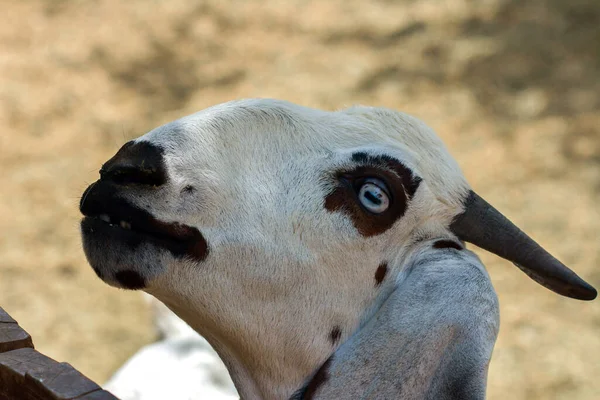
[26, 374]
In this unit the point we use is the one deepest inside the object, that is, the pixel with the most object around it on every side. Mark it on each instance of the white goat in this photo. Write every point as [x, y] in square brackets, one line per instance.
[320, 253]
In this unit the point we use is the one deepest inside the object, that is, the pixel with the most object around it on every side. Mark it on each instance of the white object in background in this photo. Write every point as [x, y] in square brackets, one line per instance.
[181, 366]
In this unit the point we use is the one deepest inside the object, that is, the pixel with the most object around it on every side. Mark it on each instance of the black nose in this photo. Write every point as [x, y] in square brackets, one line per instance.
[139, 163]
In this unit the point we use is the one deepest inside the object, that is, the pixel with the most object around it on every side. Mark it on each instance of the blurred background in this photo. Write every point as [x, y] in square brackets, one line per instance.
[512, 87]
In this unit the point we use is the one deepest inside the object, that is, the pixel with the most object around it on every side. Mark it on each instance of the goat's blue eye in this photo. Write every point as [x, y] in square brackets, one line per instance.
[373, 196]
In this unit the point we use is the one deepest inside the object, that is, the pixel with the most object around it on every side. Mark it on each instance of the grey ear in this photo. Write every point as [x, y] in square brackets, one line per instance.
[484, 226]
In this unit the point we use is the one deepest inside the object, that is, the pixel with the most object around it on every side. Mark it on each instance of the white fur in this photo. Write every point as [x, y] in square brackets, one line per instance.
[282, 270]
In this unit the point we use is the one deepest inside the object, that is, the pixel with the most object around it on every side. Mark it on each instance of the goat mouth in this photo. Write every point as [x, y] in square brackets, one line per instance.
[108, 218]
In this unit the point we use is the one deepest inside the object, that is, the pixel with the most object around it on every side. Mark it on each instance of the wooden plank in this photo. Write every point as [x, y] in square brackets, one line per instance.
[26, 374]
[12, 336]
[99, 395]
[60, 381]
[29, 375]
[14, 365]
[4, 317]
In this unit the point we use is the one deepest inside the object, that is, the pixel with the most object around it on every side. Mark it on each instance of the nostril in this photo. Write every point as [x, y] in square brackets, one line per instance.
[129, 174]
[136, 163]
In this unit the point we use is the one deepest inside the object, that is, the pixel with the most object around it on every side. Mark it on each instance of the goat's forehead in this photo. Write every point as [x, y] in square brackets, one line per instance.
[262, 130]
[285, 124]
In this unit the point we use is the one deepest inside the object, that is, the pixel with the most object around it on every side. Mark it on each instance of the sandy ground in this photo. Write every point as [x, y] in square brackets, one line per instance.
[512, 87]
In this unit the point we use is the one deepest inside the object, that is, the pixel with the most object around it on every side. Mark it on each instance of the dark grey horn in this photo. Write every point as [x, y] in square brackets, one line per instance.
[484, 226]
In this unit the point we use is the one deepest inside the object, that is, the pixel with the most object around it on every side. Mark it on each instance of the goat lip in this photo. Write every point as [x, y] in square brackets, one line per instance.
[95, 227]
[177, 232]
[151, 226]
[109, 218]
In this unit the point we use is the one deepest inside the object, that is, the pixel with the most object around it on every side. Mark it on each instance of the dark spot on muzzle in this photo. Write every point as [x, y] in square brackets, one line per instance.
[130, 279]
[138, 163]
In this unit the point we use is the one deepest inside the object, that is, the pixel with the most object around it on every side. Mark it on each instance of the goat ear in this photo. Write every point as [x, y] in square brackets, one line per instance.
[484, 226]
[442, 317]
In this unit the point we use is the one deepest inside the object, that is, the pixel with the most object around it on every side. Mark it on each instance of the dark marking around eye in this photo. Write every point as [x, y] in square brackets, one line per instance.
[409, 181]
[380, 273]
[189, 189]
[360, 157]
[447, 244]
[335, 334]
[400, 181]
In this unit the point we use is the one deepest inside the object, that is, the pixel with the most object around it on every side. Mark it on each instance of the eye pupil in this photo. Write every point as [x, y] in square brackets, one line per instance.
[373, 196]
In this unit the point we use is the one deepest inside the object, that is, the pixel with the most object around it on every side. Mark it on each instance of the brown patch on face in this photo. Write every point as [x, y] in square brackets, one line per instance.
[447, 244]
[401, 184]
[335, 334]
[198, 249]
[319, 379]
[380, 273]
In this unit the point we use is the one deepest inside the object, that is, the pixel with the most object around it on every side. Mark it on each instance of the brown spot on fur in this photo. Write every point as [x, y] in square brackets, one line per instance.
[188, 189]
[198, 248]
[344, 197]
[319, 379]
[447, 244]
[380, 273]
[335, 334]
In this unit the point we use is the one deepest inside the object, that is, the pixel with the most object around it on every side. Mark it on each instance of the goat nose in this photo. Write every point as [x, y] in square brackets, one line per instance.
[139, 163]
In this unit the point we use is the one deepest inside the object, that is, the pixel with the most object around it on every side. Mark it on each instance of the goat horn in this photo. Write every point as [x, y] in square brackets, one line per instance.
[484, 226]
